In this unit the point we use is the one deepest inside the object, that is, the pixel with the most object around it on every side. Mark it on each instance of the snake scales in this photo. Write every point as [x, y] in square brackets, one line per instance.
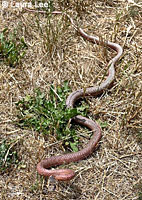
[67, 174]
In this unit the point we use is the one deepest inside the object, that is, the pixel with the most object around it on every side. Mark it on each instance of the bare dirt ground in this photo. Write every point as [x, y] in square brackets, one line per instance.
[115, 168]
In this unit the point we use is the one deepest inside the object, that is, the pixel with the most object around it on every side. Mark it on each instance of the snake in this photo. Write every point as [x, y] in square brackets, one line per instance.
[44, 166]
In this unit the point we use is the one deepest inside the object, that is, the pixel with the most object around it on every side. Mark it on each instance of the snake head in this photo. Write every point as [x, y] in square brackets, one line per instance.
[64, 174]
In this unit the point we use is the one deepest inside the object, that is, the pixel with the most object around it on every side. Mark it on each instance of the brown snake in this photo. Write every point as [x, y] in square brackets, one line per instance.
[67, 174]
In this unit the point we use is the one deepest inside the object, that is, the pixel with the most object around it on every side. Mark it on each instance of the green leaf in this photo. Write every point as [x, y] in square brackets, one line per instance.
[23, 42]
[11, 48]
[73, 146]
[103, 124]
[8, 156]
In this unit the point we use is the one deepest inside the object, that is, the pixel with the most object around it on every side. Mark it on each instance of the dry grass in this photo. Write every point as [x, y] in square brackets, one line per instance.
[115, 167]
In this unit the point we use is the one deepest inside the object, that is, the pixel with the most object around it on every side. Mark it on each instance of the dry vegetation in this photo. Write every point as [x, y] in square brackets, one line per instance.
[56, 53]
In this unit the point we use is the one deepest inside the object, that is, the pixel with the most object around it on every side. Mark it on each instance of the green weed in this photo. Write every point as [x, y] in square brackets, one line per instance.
[55, 31]
[34, 187]
[50, 115]
[133, 12]
[12, 49]
[8, 156]
[138, 188]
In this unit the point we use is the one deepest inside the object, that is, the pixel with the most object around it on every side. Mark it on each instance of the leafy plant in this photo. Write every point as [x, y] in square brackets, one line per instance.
[50, 115]
[12, 50]
[8, 156]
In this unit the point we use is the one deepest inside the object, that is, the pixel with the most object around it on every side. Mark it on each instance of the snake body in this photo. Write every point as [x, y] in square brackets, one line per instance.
[67, 174]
